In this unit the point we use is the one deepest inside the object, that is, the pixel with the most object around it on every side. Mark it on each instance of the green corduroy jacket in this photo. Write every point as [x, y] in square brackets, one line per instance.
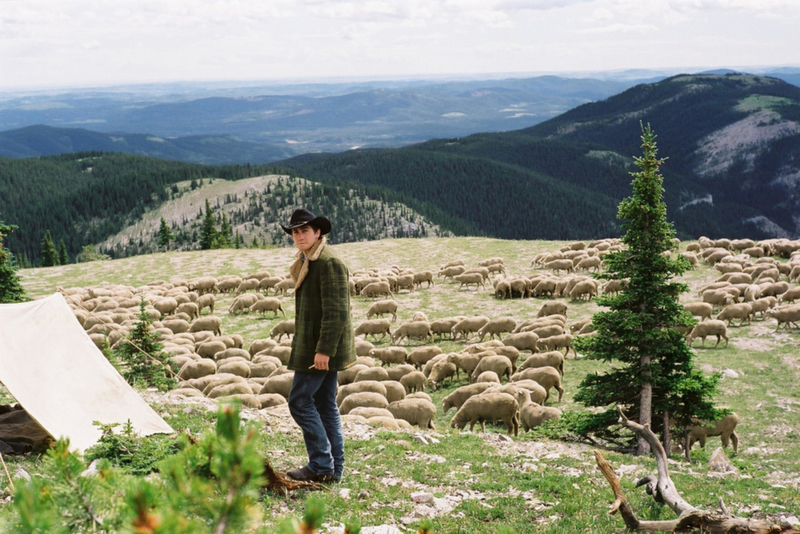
[323, 322]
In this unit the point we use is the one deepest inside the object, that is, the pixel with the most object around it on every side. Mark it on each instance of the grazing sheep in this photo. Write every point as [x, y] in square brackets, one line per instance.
[788, 315]
[553, 358]
[205, 301]
[236, 367]
[522, 341]
[488, 407]
[268, 400]
[423, 276]
[373, 327]
[500, 365]
[545, 331]
[585, 288]
[208, 349]
[228, 284]
[461, 394]
[232, 352]
[283, 328]
[439, 372]
[389, 423]
[559, 265]
[419, 356]
[225, 390]
[497, 326]
[742, 311]
[372, 386]
[532, 414]
[248, 285]
[467, 279]
[724, 428]
[371, 373]
[553, 308]
[349, 375]
[415, 411]
[203, 285]
[395, 391]
[209, 323]
[790, 295]
[703, 310]
[547, 377]
[197, 368]
[268, 283]
[284, 286]
[242, 303]
[363, 347]
[713, 327]
[451, 271]
[717, 297]
[381, 307]
[165, 306]
[177, 326]
[390, 355]
[189, 308]
[488, 376]
[468, 326]
[442, 327]
[264, 305]
[558, 342]
[280, 384]
[466, 361]
[369, 412]
[762, 305]
[366, 399]
[414, 329]
[377, 289]
[413, 382]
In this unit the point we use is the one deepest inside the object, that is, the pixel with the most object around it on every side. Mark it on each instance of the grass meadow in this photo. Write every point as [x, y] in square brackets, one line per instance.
[481, 482]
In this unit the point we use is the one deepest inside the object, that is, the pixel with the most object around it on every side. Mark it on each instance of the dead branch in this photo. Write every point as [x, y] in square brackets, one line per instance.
[690, 519]
[277, 483]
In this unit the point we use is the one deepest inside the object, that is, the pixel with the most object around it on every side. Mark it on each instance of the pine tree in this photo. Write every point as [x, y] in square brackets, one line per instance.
[10, 287]
[238, 243]
[208, 229]
[652, 368]
[165, 235]
[49, 253]
[225, 233]
[143, 361]
[63, 256]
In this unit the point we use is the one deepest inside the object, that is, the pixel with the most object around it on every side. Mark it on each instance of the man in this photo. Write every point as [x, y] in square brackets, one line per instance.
[323, 344]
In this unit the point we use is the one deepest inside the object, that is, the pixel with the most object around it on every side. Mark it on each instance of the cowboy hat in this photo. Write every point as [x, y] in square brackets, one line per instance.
[302, 217]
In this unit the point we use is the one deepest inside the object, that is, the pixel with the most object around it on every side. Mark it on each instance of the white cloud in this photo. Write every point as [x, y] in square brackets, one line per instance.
[619, 28]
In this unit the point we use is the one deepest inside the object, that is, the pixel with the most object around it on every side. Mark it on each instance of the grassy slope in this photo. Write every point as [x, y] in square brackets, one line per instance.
[527, 483]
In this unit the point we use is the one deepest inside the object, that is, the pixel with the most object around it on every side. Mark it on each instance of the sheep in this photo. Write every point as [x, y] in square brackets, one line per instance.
[388, 423]
[461, 394]
[399, 371]
[742, 311]
[247, 285]
[236, 367]
[423, 276]
[559, 265]
[405, 281]
[553, 308]
[451, 271]
[284, 286]
[268, 400]
[381, 307]
[390, 355]
[189, 308]
[419, 356]
[788, 315]
[613, 287]
[211, 323]
[790, 295]
[724, 428]
[232, 352]
[468, 326]
[262, 369]
[418, 412]
[426, 370]
[717, 297]
[371, 373]
[280, 384]
[762, 305]
[468, 279]
[416, 329]
[453, 263]
[547, 377]
[373, 386]
[367, 399]
[488, 407]
[439, 372]
[544, 288]
[559, 341]
[197, 368]
[242, 303]
[775, 290]
[260, 344]
[713, 327]
[264, 305]
[377, 289]
[488, 376]
[545, 331]
[227, 285]
[348, 375]
[395, 391]
[165, 306]
[553, 358]
[177, 326]
[703, 310]
[498, 364]
[373, 327]
[444, 326]
[522, 341]
[206, 284]
[497, 326]
[208, 349]
[369, 412]
[205, 301]
[413, 382]
[283, 328]
[585, 288]
[532, 414]
[465, 361]
[225, 390]
[268, 283]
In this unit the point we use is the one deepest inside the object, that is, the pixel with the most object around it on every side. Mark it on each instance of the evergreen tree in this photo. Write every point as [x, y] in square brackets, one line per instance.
[208, 229]
[49, 253]
[238, 243]
[10, 287]
[141, 356]
[165, 235]
[225, 233]
[63, 256]
[652, 368]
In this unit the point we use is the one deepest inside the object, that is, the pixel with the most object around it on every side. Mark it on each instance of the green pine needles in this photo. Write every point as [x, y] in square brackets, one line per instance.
[652, 369]
[10, 287]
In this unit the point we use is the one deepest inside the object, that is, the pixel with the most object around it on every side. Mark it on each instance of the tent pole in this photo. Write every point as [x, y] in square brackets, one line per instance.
[10, 482]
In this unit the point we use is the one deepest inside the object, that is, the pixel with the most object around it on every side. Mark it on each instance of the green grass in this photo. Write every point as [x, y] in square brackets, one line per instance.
[527, 483]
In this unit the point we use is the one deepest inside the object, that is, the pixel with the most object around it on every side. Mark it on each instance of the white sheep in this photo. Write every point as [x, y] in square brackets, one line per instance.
[383, 306]
[416, 411]
[439, 372]
[390, 355]
[264, 305]
[283, 328]
[713, 327]
[413, 329]
[373, 327]
[497, 326]
[468, 326]
[413, 381]
[366, 399]
[500, 365]
[488, 407]
[547, 377]
[552, 358]
[532, 414]
[419, 356]
[522, 341]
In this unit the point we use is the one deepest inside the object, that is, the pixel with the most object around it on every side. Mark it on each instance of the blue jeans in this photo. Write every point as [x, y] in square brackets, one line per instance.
[312, 403]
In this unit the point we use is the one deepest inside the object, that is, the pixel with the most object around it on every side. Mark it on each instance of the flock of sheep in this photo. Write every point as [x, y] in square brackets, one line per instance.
[506, 368]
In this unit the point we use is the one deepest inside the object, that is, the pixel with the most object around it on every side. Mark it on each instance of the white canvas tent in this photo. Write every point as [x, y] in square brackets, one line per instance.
[55, 371]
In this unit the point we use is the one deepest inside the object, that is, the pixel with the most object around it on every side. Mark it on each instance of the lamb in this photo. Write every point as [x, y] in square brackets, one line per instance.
[439, 372]
[413, 382]
[381, 307]
[414, 329]
[211, 323]
[376, 289]
[390, 355]
[268, 304]
[497, 326]
[283, 328]
[553, 358]
[522, 341]
[367, 399]
[547, 377]
[242, 303]
[373, 327]
[532, 414]
[724, 428]
[500, 365]
[461, 394]
[788, 315]
[468, 326]
[488, 407]
[559, 341]
[742, 311]
[703, 310]
[418, 412]
[468, 279]
[422, 355]
[713, 327]
[205, 301]
[553, 308]
[360, 387]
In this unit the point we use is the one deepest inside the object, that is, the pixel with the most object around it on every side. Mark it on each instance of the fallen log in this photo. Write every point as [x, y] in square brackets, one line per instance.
[690, 519]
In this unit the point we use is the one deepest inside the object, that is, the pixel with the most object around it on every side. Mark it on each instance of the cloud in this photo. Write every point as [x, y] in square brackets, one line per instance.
[619, 28]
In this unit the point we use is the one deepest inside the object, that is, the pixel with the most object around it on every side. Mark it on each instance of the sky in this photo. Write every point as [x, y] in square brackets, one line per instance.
[85, 43]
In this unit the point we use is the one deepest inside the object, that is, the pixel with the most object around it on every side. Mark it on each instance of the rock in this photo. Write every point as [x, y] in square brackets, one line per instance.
[344, 493]
[422, 496]
[381, 529]
[21, 473]
[91, 470]
[720, 463]
[363, 494]
[792, 521]
[730, 373]
[421, 439]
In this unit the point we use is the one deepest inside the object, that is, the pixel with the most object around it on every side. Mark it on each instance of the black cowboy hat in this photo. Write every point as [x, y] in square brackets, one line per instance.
[302, 217]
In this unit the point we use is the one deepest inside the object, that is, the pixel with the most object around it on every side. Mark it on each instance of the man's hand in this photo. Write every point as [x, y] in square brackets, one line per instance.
[320, 362]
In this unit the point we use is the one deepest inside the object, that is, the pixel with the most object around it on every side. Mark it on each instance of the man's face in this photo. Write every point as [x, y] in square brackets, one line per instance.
[304, 237]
